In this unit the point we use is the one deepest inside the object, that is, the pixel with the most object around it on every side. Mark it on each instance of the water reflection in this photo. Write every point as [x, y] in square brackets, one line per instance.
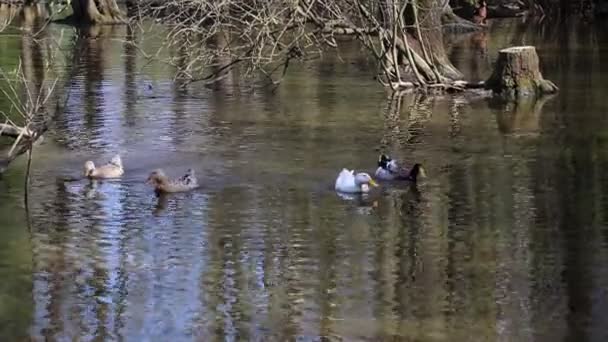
[505, 240]
[519, 117]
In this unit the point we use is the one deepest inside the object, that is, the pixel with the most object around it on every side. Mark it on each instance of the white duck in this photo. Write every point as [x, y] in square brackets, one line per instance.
[349, 182]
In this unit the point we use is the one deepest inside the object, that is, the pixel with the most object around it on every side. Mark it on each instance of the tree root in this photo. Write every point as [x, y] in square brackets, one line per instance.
[453, 86]
[102, 12]
[454, 24]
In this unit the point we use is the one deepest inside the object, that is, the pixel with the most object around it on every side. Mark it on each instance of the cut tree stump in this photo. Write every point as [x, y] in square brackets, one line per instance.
[517, 73]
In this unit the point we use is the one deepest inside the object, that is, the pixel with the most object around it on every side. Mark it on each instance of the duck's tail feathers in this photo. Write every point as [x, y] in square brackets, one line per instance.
[116, 160]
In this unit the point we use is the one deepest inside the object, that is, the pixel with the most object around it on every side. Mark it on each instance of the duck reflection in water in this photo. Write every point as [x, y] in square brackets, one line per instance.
[162, 202]
[362, 200]
[90, 189]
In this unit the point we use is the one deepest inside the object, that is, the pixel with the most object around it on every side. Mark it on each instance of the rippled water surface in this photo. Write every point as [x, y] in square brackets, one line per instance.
[506, 239]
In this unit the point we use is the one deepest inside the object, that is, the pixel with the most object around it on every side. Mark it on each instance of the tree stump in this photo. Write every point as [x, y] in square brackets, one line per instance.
[517, 73]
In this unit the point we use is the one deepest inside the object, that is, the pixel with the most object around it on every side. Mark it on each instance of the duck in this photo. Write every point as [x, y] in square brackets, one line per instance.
[349, 182]
[162, 183]
[112, 169]
[389, 169]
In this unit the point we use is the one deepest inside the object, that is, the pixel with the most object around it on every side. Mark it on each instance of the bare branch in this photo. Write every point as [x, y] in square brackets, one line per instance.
[210, 39]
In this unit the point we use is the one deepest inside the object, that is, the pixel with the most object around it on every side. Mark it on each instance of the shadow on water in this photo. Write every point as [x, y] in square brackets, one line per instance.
[505, 240]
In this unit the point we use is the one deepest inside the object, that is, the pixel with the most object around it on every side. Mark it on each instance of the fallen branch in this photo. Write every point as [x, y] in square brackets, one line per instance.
[8, 130]
[18, 149]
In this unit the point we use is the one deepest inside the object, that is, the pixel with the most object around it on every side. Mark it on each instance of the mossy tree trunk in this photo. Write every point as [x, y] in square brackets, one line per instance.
[97, 12]
[517, 73]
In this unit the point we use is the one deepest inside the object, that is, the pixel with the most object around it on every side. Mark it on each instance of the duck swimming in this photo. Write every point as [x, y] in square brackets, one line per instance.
[388, 169]
[162, 183]
[113, 169]
[349, 182]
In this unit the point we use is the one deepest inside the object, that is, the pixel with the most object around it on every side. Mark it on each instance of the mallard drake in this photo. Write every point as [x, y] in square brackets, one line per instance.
[163, 184]
[389, 169]
[349, 182]
[113, 169]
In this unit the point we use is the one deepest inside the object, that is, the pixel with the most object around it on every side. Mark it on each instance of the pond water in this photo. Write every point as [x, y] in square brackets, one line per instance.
[505, 240]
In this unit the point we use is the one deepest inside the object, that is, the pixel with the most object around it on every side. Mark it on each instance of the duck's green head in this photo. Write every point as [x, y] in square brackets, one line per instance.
[383, 161]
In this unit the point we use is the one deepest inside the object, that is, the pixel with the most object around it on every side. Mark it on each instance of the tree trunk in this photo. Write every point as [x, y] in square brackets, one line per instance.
[97, 12]
[517, 73]
[429, 17]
